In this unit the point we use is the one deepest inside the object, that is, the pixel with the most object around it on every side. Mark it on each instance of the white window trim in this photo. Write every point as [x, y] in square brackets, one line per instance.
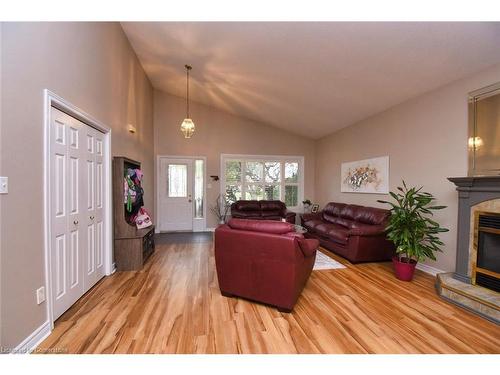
[267, 158]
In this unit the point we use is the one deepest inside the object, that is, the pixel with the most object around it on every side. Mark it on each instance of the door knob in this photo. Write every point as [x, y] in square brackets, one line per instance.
[91, 218]
[75, 222]
[190, 200]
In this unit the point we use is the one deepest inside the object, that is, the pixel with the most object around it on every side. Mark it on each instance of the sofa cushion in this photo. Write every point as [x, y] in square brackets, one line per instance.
[361, 229]
[276, 217]
[371, 215]
[335, 232]
[339, 221]
[350, 211]
[276, 206]
[333, 208]
[339, 234]
[247, 205]
[271, 213]
[324, 228]
[265, 226]
[247, 215]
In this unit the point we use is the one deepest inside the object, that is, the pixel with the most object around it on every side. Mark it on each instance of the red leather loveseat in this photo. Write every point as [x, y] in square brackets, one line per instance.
[264, 261]
[261, 210]
[355, 232]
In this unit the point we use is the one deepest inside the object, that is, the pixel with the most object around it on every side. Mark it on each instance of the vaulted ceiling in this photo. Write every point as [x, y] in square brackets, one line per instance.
[310, 78]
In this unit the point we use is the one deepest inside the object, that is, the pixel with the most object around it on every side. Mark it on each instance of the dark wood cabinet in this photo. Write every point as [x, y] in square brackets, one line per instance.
[132, 246]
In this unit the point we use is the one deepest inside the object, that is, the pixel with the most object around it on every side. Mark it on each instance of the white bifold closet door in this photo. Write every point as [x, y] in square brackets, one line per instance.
[76, 209]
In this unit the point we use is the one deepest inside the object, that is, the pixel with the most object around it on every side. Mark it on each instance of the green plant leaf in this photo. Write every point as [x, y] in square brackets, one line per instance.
[410, 227]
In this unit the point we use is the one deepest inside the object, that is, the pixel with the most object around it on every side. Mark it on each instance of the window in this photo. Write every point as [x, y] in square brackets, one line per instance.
[260, 177]
[177, 180]
[198, 189]
[292, 184]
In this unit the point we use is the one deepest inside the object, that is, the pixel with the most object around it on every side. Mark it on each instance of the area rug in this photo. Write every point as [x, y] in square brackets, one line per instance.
[324, 262]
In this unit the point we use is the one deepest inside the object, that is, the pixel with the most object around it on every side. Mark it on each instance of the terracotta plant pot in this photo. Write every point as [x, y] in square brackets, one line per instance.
[404, 271]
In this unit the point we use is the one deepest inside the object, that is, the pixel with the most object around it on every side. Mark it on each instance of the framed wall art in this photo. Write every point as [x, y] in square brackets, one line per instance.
[365, 176]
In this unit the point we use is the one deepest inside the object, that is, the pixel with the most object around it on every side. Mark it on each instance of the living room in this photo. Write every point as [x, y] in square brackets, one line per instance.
[244, 186]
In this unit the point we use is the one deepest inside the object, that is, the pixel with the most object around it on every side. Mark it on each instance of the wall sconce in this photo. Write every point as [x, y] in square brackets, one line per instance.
[475, 142]
[131, 128]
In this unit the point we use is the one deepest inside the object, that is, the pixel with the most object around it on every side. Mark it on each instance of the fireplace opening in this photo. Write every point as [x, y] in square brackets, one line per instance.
[487, 270]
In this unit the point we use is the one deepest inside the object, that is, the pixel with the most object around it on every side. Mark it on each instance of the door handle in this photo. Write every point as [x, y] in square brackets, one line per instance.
[91, 218]
[75, 222]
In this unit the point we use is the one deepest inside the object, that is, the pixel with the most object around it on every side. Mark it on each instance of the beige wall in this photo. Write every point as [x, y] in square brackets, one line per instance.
[426, 140]
[92, 66]
[219, 132]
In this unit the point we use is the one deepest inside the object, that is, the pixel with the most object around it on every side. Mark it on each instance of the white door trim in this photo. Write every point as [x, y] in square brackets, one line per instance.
[53, 100]
[158, 212]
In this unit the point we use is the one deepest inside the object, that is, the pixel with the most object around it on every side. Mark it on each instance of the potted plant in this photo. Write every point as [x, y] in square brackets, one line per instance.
[412, 230]
[307, 205]
[221, 208]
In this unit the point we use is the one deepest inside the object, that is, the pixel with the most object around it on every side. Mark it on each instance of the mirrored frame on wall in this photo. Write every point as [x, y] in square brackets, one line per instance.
[483, 142]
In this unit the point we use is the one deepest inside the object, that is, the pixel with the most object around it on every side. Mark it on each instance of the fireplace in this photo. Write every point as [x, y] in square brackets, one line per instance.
[475, 284]
[486, 267]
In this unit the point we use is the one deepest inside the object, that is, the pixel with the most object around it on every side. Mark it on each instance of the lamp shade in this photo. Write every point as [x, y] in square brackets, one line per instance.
[475, 142]
[187, 127]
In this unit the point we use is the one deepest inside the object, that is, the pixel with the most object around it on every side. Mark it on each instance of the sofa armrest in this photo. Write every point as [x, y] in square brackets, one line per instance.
[367, 230]
[318, 215]
[235, 213]
[308, 246]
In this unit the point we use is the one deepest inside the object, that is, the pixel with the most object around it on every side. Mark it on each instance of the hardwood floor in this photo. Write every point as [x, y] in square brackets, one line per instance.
[174, 306]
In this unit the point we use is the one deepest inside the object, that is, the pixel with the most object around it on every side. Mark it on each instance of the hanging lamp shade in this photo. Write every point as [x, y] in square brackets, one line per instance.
[187, 126]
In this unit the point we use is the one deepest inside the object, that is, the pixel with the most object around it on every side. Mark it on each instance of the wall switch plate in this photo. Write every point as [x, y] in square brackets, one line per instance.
[40, 295]
[4, 185]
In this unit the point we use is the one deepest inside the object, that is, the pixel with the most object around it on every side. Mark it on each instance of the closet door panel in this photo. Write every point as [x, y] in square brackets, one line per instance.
[65, 174]
[90, 182]
[99, 208]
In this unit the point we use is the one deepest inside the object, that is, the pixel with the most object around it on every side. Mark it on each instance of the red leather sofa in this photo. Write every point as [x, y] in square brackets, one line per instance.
[355, 232]
[261, 210]
[263, 261]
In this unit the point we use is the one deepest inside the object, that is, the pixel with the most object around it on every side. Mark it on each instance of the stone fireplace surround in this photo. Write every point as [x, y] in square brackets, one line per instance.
[478, 193]
[473, 193]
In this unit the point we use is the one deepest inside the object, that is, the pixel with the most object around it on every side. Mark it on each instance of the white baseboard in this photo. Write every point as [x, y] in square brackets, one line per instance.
[113, 268]
[33, 340]
[428, 269]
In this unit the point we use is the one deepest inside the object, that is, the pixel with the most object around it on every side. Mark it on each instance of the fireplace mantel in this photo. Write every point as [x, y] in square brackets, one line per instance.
[477, 183]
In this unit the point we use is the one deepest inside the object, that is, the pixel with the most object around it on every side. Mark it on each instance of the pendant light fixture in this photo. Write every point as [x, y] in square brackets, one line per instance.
[187, 126]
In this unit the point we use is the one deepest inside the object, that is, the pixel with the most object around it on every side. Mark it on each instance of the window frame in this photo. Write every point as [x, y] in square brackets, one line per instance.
[282, 159]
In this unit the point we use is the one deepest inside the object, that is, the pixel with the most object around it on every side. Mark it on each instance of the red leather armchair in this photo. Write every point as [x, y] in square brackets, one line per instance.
[261, 210]
[264, 261]
[355, 232]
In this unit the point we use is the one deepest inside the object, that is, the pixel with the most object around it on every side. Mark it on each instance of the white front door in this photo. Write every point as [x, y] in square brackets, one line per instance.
[76, 211]
[176, 195]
